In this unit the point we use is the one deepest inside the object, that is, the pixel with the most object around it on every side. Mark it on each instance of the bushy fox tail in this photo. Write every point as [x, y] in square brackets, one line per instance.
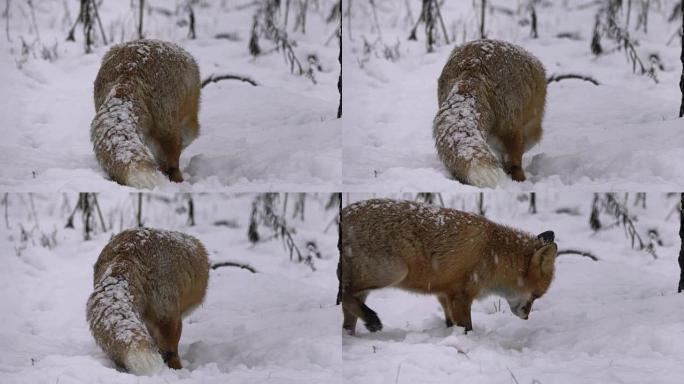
[119, 147]
[114, 317]
[459, 131]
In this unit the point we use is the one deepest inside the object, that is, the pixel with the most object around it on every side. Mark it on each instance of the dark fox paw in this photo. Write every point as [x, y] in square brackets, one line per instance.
[449, 323]
[172, 360]
[517, 173]
[174, 174]
[374, 326]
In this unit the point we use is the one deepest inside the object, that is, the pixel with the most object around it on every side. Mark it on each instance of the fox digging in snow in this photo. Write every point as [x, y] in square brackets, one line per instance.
[145, 281]
[491, 98]
[146, 102]
[454, 255]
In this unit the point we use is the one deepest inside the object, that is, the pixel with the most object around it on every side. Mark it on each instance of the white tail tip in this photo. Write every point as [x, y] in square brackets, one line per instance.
[145, 179]
[488, 176]
[144, 362]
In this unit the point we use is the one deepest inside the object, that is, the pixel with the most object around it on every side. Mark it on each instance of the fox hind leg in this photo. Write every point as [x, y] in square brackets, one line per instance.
[171, 148]
[169, 336]
[515, 147]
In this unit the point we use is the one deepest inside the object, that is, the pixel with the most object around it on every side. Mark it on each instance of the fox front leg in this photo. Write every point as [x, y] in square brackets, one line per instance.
[460, 311]
[444, 301]
[356, 306]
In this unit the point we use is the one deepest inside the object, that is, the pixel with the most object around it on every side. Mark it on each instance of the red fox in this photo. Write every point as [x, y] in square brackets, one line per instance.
[454, 255]
[491, 98]
[146, 102]
[145, 281]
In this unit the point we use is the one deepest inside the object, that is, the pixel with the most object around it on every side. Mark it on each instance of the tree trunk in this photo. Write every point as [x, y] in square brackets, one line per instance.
[191, 211]
[339, 58]
[339, 250]
[480, 204]
[482, 19]
[87, 214]
[139, 216]
[681, 58]
[533, 31]
[681, 246]
[533, 203]
[140, 20]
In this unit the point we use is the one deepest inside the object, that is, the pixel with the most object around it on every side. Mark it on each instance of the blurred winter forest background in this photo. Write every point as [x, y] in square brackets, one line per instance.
[270, 98]
[613, 70]
[270, 307]
[613, 313]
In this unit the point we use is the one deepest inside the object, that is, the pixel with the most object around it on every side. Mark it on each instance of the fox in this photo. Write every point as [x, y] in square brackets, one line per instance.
[454, 255]
[491, 96]
[147, 96]
[145, 281]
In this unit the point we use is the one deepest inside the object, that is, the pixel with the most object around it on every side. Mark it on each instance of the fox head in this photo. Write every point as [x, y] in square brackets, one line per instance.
[534, 282]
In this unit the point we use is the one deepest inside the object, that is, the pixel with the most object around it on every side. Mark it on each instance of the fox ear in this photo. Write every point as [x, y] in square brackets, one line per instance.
[546, 237]
[544, 258]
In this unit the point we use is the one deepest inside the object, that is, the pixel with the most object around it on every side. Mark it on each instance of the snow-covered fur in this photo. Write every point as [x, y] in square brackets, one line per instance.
[146, 102]
[145, 280]
[491, 98]
[454, 255]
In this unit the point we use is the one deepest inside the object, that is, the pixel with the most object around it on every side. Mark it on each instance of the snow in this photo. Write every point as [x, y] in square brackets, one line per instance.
[621, 135]
[279, 325]
[616, 320]
[280, 135]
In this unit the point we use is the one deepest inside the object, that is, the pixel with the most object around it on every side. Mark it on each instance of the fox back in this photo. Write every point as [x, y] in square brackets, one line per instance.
[491, 97]
[146, 102]
[145, 280]
[455, 255]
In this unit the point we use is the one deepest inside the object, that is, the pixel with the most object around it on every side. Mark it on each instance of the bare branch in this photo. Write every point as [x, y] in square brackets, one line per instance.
[233, 264]
[576, 252]
[565, 76]
[217, 78]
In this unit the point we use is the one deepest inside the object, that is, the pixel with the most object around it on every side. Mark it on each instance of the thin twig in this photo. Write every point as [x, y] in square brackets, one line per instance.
[7, 16]
[441, 21]
[99, 22]
[375, 18]
[99, 212]
[515, 380]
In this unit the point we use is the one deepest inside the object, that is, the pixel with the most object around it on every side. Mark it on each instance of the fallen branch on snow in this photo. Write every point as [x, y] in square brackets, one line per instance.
[216, 78]
[576, 252]
[233, 264]
[553, 78]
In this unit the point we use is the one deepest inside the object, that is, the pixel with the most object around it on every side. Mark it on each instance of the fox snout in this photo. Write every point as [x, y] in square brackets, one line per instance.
[521, 309]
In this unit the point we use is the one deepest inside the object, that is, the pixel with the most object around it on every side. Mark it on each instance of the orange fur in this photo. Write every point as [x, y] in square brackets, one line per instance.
[145, 280]
[491, 97]
[147, 99]
[454, 255]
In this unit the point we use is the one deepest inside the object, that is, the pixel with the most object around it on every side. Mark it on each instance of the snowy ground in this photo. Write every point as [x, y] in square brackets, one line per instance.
[279, 325]
[281, 135]
[617, 320]
[623, 134]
